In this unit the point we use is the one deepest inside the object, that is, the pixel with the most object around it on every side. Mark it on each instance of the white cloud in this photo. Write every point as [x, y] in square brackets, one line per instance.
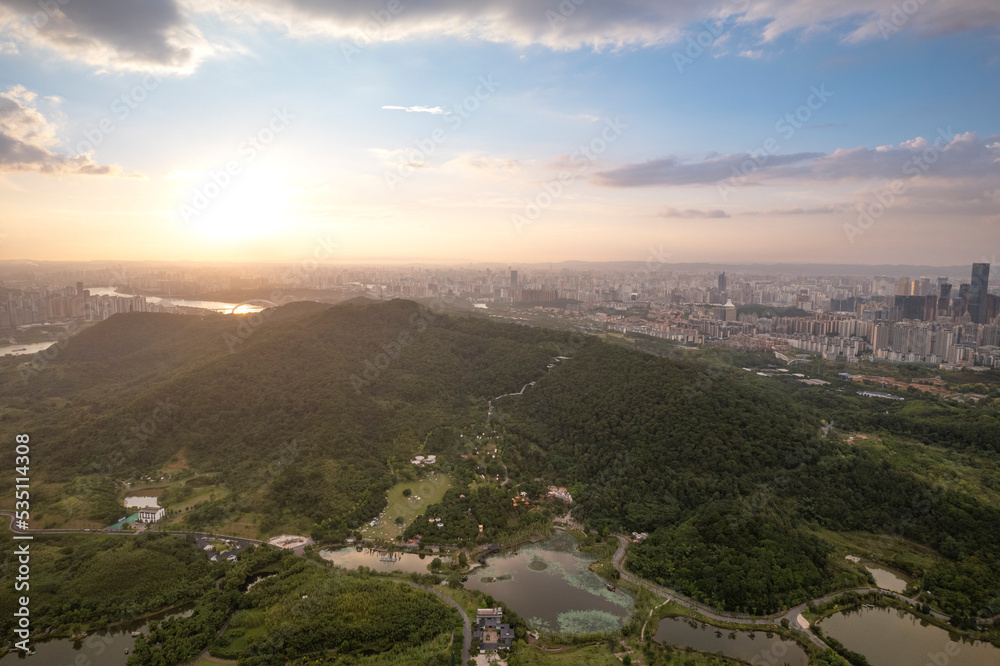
[435, 110]
[27, 139]
[164, 35]
[692, 213]
[562, 25]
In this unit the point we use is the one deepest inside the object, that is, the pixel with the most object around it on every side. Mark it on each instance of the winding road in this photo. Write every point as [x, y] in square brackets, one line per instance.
[466, 624]
[792, 614]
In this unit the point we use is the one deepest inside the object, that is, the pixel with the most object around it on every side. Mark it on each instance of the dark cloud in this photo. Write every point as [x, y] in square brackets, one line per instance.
[943, 156]
[672, 171]
[109, 34]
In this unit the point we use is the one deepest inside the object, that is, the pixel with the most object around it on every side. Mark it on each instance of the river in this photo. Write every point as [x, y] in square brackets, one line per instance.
[217, 306]
[890, 637]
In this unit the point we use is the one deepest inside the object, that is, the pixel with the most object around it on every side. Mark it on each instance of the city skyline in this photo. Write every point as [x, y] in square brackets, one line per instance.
[511, 132]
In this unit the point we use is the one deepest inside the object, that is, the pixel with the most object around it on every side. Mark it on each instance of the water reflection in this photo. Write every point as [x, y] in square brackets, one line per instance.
[106, 647]
[886, 579]
[890, 637]
[549, 584]
[756, 648]
[351, 558]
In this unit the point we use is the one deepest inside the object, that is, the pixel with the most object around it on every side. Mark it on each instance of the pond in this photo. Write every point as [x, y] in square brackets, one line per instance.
[891, 637]
[351, 558]
[105, 647]
[757, 649]
[549, 585]
[887, 579]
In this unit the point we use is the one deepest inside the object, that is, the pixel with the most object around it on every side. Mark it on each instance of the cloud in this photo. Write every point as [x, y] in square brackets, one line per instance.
[164, 35]
[27, 140]
[108, 34]
[672, 171]
[435, 110]
[945, 156]
[692, 213]
[801, 210]
[562, 24]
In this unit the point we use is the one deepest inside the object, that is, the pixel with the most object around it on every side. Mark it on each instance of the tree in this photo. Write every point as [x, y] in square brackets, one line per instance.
[399, 520]
[463, 561]
[436, 563]
[407, 492]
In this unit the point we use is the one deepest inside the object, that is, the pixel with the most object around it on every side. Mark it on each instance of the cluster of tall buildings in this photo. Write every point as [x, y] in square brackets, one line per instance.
[927, 301]
[922, 319]
[24, 308]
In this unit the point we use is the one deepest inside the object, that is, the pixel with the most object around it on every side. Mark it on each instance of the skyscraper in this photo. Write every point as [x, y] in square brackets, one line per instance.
[513, 286]
[977, 292]
[722, 283]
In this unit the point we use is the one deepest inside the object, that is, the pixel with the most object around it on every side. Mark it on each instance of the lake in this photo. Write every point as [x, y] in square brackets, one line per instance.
[549, 585]
[890, 637]
[104, 647]
[758, 649]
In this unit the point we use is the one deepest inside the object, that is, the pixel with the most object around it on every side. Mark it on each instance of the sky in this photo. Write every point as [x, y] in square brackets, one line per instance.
[447, 131]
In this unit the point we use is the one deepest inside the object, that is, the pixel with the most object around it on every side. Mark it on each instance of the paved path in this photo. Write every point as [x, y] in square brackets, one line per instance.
[618, 560]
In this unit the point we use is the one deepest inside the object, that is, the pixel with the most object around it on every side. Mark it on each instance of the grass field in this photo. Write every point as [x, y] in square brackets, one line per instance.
[430, 491]
[593, 655]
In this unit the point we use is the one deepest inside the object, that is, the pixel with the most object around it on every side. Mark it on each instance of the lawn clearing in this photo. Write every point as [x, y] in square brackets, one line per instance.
[428, 490]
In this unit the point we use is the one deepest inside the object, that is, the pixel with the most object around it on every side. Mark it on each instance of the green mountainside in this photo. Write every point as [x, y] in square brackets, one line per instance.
[305, 414]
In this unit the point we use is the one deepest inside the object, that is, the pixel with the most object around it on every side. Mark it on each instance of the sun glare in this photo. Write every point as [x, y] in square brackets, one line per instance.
[252, 206]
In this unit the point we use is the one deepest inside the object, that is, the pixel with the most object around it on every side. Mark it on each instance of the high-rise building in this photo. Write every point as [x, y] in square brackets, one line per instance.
[944, 297]
[513, 286]
[977, 293]
[722, 283]
[904, 286]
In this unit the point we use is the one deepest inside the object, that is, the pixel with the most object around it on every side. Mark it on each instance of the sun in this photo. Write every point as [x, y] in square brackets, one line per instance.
[254, 204]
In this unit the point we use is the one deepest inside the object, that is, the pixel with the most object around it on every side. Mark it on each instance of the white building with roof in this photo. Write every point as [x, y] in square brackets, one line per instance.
[151, 514]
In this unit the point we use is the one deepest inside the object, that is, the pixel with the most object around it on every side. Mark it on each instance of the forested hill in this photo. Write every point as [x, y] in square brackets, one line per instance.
[301, 412]
[278, 408]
